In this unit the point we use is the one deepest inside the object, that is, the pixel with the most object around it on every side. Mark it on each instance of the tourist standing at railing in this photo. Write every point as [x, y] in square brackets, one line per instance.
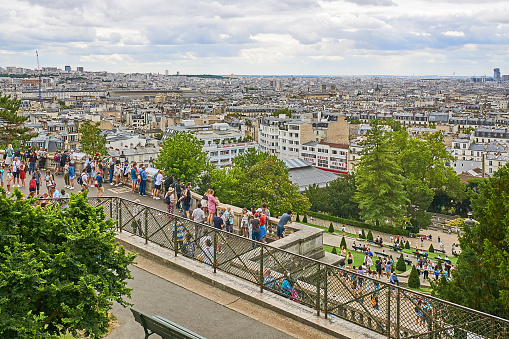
[219, 224]
[125, 172]
[158, 181]
[255, 228]
[169, 200]
[72, 173]
[198, 214]
[205, 201]
[134, 176]
[263, 226]
[286, 218]
[111, 168]
[143, 180]
[15, 171]
[99, 179]
[42, 154]
[117, 172]
[211, 201]
[66, 175]
[244, 224]
[178, 192]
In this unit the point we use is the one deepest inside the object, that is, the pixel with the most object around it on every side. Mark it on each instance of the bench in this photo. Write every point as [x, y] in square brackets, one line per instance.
[408, 262]
[420, 255]
[163, 327]
[396, 248]
[357, 248]
[440, 251]
[382, 254]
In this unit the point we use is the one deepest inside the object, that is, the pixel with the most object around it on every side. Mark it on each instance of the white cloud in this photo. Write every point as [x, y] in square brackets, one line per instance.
[457, 34]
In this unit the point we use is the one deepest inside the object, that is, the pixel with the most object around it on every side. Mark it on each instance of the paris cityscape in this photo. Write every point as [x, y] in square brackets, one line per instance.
[309, 169]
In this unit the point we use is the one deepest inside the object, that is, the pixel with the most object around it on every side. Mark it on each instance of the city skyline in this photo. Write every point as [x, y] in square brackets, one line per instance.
[300, 37]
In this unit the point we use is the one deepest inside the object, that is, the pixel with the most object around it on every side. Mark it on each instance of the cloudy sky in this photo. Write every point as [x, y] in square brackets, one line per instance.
[299, 37]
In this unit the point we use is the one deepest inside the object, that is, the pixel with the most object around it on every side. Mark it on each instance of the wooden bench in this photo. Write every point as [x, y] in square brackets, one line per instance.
[440, 251]
[419, 255]
[163, 327]
[357, 248]
[382, 254]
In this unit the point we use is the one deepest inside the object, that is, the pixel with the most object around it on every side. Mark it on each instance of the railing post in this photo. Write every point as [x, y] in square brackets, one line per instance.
[388, 324]
[111, 208]
[261, 269]
[175, 241]
[398, 310]
[146, 225]
[215, 251]
[325, 294]
[119, 218]
[319, 277]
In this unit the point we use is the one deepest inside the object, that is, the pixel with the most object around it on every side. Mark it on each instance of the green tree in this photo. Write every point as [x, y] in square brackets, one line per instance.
[331, 228]
[380, 190]
[363, 235]
[370, 236]
[249, 158]
[60, 269]
[288, 112]
[12, 130]
[481, 280]
[298, 218]
[182, 154]
[91, 140]
[407, 245]
[338, 197]
[431, 249]
[401, 265]
[413, 279]
[334, 250]
[317, 198]
[305, 219]
[343, 243]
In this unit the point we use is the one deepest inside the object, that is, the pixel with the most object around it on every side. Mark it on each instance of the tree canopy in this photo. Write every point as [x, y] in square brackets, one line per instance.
[60, 268]
[91, 140]
[181, 154]
[481, 280]
[380, 185]
[12, 130]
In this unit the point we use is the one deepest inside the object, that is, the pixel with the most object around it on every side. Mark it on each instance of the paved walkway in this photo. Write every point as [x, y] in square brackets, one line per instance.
[157, 296]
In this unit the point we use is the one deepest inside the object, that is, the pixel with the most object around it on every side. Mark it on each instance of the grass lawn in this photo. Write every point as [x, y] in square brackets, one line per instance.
[358, 258]
[421, 289]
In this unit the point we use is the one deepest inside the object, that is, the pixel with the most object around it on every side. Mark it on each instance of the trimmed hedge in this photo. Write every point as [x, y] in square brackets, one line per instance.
[331, 228]
[343, 243]
[401, 265]
[413, 279]
[431, 249]
[384, 229]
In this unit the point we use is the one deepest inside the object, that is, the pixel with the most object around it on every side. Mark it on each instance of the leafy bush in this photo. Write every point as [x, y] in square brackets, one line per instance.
[370, 235]
[413, 279]
[431, 249]
[343, 243]
[401, 265]
[439, 265]
[407, 245]
[363, 235]
[334, 250]
[298, 218]
[381, 228]
[331, 228]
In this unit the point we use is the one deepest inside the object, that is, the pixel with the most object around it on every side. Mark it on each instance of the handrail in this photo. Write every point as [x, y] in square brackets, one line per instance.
[326, 288]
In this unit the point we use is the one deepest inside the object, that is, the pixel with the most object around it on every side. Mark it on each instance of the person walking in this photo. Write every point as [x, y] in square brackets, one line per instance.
[22, 174]
[15, 171]
[32, 162]
[143, 181]
[8, 155]
[169, 200]
[99, 179]
[111, 169]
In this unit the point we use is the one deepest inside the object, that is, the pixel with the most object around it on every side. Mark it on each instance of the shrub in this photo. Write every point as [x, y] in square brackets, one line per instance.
[343, 243]
[331, 228]
[334, 250]
[431, 249]
[370, 235]
[305, 219]
[413, 279]
[363, 235]
[439, 265]
[297, 219]
[407, 245]
[401, 265]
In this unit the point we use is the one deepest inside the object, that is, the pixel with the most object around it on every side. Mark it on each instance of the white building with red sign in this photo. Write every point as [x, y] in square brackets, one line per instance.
[328, 156]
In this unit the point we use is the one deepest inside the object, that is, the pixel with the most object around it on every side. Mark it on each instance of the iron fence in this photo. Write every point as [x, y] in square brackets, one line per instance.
[382, 307]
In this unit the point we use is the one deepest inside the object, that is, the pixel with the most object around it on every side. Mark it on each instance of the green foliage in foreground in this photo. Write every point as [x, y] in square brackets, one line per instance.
[60, 269]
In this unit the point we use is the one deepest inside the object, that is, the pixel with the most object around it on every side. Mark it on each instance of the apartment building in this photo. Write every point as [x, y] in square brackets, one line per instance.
[328, 156]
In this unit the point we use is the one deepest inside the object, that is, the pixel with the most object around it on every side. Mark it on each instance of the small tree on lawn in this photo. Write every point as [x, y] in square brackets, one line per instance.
[331, 228]
[363, 235]
[343, 243]
[439, 265]
[407, 245]
[370, 235]
[298, 218]
[334, 250]
[431, 249]
[401, 265]
[305, 219]
[413, 279]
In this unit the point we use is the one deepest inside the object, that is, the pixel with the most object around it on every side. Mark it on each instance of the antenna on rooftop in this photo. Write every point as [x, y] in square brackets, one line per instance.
[40, 74]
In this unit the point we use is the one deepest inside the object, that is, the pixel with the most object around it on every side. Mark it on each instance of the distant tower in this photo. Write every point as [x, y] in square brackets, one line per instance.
[79, 69]
[67, 68]
[496, 74]
[178, 73]
[166, 72]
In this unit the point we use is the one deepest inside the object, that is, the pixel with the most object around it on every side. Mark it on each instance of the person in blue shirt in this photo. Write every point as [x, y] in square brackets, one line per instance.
[143, 182]
[285, 218]
[72, 173]
[394, 279]
[100, 188]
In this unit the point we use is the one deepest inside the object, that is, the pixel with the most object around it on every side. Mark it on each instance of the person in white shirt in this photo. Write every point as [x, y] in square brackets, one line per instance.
[15, 171]
[199, 217]
[158, 181]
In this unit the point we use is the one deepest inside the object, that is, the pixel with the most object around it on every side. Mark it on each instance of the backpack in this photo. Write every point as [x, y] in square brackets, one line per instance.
[32, 184]
[167, 199]
[79, 180]
[88, 168]
[55, 157]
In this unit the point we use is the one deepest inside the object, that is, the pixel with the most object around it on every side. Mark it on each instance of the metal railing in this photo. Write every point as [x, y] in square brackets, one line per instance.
[382, 307]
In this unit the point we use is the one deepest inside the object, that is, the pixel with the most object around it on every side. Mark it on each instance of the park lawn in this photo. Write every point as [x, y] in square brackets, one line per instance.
[432, 256]
[427, 290]
[327, 229]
